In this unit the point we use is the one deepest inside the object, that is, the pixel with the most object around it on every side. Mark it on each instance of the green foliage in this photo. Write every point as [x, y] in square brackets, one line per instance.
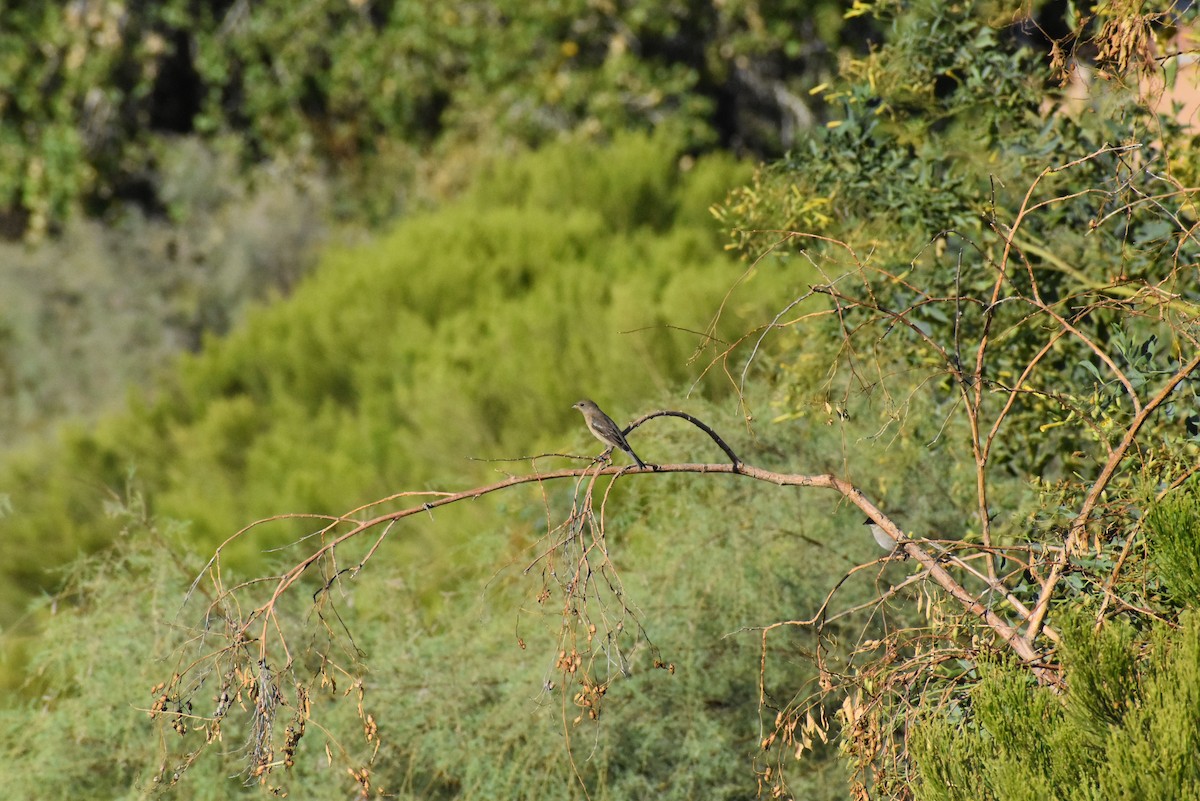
[470, 330]
[682, 735]
[978, 201]
[86, 729]
[462, 709]
[103, 307]
[916, 116]
[1103, 674]
[1127, 728]
[994, 264]
[1173, 539]
[85, 734]
[942, 129]
[367, 89]
[467, 332]
[41, 139]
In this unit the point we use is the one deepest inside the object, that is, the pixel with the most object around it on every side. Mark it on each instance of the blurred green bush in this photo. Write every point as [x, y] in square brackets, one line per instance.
[465, 332]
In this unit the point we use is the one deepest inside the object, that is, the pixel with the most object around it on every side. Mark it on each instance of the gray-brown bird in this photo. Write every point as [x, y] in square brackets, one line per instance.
[604, 429]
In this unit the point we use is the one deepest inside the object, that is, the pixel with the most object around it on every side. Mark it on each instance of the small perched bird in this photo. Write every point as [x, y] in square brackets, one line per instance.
[604, 429]
[881, 537]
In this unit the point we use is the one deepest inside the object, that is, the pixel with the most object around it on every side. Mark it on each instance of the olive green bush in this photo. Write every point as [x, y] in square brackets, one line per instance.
[456, 336]
[1126, 728]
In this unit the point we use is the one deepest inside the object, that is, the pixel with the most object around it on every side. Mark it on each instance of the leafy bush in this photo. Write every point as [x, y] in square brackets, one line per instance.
[988, 248]
[92, 90]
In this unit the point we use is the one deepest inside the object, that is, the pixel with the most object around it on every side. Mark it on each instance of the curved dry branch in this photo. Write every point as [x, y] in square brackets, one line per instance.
[733, 457]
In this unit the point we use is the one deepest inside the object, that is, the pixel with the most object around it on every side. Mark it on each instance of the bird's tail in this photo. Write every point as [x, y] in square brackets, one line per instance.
[640, 463]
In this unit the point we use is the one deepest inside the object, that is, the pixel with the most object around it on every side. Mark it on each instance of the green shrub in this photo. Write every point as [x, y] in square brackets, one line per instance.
[1126, 728]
